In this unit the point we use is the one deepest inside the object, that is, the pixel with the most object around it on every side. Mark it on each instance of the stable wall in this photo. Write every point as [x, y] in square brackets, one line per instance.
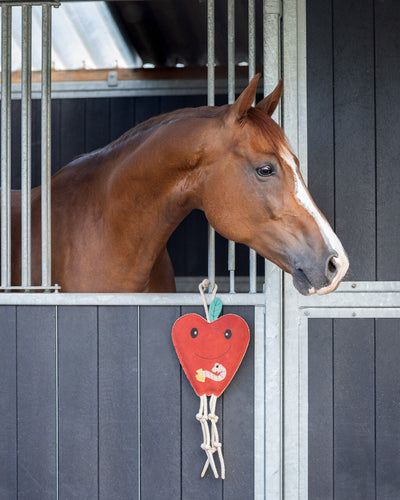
[94, 404]
[353, 155]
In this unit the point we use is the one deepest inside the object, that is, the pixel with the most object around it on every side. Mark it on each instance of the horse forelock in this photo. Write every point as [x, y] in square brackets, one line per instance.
[269, 128]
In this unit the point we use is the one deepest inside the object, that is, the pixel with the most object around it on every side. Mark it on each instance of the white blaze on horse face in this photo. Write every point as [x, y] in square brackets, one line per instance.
[341, 262]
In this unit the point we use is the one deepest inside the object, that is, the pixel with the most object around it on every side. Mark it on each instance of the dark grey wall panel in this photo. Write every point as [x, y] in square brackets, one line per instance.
[353, 82]
[146, 107]
[16, 144]
[387, 36]
[355, 133]
[320, 400]
[72, 129]
[78, 402]
[238, 417]
[118, 403]
[106, 439]
[321, 174]
[122, 116]
[159, 405]
[8, 402]
[387, 408]
[97, 131]
[354, 409]
[36, 389]
[56, 136]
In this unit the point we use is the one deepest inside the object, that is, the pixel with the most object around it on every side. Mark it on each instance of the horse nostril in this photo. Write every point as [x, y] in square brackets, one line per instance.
[332, 269]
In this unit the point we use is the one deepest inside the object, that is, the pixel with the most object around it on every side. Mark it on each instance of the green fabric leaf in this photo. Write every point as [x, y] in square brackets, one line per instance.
[215, 309]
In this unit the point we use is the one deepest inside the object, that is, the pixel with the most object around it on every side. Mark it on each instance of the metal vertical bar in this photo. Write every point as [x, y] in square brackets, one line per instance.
[231, 100]
[6, 146]
[46, 146]
[26, 145]
[231, 51]
[252, 72]
[211, 102]
[296, 334]
[252, 39]
[273, 287]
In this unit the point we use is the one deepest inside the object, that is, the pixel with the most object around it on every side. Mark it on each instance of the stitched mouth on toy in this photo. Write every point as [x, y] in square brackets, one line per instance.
[216, 357]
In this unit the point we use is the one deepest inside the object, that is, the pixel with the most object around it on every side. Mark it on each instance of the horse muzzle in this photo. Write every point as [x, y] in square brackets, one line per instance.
[320, 277]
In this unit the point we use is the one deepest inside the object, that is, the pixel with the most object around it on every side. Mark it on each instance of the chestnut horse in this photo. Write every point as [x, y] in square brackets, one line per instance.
[114, 209]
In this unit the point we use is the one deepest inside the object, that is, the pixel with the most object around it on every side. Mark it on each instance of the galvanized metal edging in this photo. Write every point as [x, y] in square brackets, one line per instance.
[355, 295]
[127, 88]
[16, 3]
[126, 299]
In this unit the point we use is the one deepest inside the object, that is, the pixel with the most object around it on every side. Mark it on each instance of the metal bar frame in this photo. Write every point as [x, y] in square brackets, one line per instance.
[26, 71]
[231, 100]
[211, 102]
[294, 344]
[26, 98]
[252, 72]
[11, 3]
[46, 147]
[6, 14]
[272, 13]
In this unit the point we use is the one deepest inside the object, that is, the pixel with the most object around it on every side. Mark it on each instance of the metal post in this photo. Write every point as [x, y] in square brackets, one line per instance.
[46, 146]
[273, 287]
[6, 146]
[26, 146]
[252, 72]
[231, 100]
[211, 102]
[296, 334]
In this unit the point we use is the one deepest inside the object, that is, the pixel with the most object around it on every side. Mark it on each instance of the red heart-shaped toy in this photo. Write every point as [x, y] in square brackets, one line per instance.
[210, 353]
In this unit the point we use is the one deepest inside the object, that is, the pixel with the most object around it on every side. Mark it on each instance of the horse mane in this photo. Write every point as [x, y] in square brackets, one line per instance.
[259, 118]
[155, 121]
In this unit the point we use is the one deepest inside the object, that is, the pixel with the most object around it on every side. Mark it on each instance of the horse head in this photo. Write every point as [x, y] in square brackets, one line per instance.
[255, 195]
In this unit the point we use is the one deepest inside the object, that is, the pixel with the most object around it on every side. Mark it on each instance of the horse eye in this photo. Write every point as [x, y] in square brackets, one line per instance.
[228, 334]
[265, 170]
[194, 332]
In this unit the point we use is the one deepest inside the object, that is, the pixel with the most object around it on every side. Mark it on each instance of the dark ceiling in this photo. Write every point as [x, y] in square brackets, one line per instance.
[170, 32]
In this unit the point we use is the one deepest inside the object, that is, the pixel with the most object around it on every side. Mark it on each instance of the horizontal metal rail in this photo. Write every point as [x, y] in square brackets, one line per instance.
[350, 296]
[127, 299]
[353, 312]
[10, 3]
[128, 88]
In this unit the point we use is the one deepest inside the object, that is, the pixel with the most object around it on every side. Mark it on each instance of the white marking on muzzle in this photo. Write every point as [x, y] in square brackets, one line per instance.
[341, 262]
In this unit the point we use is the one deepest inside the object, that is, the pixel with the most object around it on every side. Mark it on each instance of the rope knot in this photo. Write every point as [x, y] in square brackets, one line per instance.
[201, 418]
[205, 447]
[213, 417]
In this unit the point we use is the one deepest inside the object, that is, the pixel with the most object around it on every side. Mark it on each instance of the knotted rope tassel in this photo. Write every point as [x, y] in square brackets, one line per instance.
[210, 445]
[215, 444]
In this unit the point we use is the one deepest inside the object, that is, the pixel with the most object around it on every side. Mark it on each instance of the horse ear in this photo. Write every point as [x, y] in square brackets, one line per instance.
[269, 103]
[244, 102]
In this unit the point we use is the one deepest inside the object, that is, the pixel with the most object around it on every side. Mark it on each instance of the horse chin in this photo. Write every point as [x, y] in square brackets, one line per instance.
[302, 284]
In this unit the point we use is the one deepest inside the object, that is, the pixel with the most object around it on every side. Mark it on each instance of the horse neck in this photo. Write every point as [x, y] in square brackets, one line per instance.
[154, 187]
